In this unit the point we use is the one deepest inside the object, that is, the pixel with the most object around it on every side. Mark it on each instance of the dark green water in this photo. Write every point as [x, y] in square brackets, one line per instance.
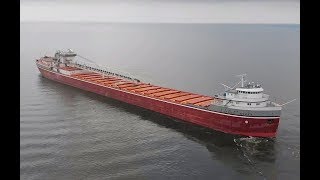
[68, 133]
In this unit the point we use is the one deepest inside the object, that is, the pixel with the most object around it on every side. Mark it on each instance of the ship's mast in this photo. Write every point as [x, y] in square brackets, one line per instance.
[242, 79]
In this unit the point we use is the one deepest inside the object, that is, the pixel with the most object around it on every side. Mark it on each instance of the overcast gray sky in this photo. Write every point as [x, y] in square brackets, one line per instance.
[163, 11]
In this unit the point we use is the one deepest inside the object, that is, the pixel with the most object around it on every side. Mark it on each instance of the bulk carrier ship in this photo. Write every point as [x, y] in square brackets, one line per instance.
[243, 110]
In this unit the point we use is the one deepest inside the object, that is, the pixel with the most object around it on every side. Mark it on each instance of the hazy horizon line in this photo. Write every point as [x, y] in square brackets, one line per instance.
[130, 22]
[248, 12]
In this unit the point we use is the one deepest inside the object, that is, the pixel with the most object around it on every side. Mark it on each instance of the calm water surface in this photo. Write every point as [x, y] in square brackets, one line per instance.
[67, 133]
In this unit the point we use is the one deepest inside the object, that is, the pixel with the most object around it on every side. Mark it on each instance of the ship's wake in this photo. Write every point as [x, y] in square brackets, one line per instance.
[255, 149]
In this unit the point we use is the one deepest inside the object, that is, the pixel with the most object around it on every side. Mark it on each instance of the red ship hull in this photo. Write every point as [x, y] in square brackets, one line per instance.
[232, 124]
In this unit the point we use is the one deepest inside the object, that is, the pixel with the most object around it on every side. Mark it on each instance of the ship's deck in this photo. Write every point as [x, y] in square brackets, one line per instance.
[145, 89]
[141, 88]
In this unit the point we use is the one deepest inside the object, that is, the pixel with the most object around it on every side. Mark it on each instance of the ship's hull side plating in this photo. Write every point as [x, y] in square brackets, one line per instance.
[232, 124]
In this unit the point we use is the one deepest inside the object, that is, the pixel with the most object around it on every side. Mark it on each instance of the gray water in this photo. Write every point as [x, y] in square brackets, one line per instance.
[67, 133]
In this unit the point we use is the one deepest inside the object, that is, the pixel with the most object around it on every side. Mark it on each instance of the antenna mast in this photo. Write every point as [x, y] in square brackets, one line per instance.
[242, 79]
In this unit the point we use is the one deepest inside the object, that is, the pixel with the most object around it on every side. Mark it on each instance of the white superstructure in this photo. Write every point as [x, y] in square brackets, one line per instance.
[248, 95]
